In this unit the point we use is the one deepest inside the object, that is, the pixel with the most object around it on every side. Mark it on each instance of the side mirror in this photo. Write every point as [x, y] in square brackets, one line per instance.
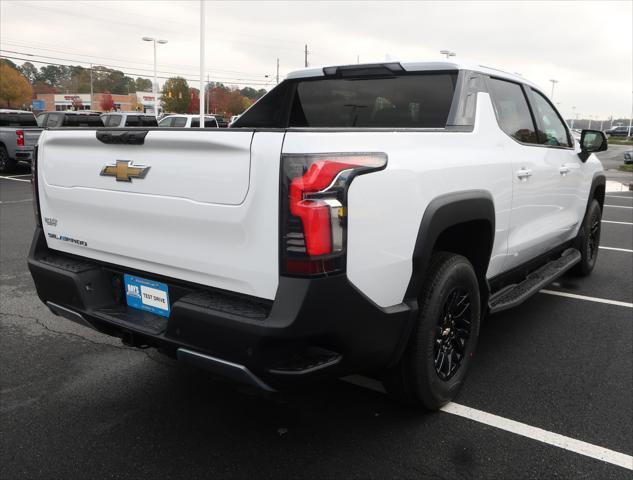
[592, 141]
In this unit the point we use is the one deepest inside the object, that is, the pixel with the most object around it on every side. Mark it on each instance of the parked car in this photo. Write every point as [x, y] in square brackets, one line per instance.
[69, 118]
[361, 218]
[619, 131]
[187, 121]
[628, 156]
[128, 119]
[18, 136]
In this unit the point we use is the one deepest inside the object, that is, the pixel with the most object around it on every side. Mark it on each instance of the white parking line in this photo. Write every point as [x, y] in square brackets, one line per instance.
[616, 249]
[518, 428]
[540, 435]
[7, 202]
[619, 223]
[588, 299]
[617, 206]
[15, 179]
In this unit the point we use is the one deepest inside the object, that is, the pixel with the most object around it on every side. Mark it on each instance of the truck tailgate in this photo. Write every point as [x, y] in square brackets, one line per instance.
[192, 205]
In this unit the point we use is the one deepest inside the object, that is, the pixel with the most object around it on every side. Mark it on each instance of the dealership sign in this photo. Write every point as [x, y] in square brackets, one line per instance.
[65, 99]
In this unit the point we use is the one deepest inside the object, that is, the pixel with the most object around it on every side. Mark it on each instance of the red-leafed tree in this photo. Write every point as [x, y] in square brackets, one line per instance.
[194, 103]
[107, 103]
[77, 103]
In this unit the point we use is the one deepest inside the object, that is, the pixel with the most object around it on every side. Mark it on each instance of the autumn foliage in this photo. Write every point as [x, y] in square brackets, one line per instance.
[15, 89]
[107, 103]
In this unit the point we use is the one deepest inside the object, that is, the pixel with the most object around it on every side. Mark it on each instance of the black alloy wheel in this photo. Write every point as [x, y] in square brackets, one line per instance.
[452, 334]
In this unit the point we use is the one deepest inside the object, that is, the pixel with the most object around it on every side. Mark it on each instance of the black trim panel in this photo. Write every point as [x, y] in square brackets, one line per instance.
[442, 213]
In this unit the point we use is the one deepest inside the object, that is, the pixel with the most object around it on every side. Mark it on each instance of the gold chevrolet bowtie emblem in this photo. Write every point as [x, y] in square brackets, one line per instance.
[125, 170]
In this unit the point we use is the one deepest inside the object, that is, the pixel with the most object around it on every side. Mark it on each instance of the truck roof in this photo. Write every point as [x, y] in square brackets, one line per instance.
[419, 66]
[7, 110]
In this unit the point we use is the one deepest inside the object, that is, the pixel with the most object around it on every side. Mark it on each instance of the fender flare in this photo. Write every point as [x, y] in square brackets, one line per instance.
[444, 212]
[599, 180]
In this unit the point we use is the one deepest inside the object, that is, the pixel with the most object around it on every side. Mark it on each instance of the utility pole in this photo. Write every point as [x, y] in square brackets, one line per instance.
[357, 59]
[202, 32]
[208, 94]
[306, 56]
[91, 92]
[277, 71]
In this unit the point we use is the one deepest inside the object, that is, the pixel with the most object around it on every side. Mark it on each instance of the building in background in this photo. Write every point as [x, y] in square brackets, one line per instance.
[139, 101]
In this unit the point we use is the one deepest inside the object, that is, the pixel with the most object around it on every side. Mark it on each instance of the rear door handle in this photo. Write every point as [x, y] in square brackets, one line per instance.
[564, 170]
[524, 174]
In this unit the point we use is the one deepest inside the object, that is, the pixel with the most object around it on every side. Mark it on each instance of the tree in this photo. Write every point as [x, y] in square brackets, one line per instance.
[136, 106]
[194, 101]
[107, 103]
[29, 71]
[143, 85]
[77, 103]
[15, 90]
[236, 103]
[41, 87]
[176, 95]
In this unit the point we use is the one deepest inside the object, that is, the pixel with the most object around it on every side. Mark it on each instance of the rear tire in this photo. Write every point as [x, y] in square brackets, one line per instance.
[436, 359]
[6, 164]
[588, 240]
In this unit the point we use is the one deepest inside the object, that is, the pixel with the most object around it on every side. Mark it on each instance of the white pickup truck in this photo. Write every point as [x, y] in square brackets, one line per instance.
[359, 218]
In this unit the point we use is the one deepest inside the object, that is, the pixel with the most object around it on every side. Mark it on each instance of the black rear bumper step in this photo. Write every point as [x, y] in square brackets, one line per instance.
[514, 295]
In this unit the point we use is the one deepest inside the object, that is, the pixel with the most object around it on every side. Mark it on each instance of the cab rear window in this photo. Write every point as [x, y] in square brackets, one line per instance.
[17, 120]
[420, 100]
[82, 121]
[411, 101]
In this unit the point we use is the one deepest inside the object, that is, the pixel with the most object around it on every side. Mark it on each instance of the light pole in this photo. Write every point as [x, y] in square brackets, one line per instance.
[573, 113]
[590, 118]
[554, 82]
[448, 53]
[155, 85]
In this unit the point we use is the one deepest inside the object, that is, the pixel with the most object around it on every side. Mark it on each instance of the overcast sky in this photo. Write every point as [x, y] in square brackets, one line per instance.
[586, 46]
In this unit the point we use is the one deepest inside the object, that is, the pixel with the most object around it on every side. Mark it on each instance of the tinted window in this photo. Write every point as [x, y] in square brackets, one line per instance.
[82, 121]
[551, 130]
[270, 111]
[208, 123]
[54, 120]
[145, 121]
[179, 122]
[132, 121]
[111, 120]
[41, 119]
[17, 120]
[412, 101]
[512, 110]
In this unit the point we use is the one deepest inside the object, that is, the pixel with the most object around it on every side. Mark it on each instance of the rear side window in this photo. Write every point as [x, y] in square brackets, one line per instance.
[166, 122]
[82, 121]
[512, 110]
[208, 123]
[111, 120]
[411, 101]
[17, 120]
[179, 122]
[551, 130]
[147, 121]
[54, 120]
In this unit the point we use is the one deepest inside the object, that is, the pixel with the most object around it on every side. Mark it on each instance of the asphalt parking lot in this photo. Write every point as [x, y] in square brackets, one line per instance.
[550, 394]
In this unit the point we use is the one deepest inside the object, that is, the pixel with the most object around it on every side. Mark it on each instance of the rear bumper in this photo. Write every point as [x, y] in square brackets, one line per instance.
[313, 328]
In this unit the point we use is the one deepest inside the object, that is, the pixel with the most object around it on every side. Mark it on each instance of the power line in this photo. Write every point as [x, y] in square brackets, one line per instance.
[113, 66]
[35, 46]
[128, 73]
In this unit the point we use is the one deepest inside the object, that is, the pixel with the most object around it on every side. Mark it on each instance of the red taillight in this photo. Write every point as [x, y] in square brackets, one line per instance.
[314, 209]
[20, 140]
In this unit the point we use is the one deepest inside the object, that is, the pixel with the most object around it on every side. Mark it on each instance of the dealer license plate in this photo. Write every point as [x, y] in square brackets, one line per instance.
[147, 295]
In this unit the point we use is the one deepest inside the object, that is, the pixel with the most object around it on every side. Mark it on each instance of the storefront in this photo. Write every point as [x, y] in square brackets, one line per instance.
[72, 101]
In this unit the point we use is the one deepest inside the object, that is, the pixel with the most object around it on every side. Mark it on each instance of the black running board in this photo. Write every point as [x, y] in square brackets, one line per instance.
[514, 295]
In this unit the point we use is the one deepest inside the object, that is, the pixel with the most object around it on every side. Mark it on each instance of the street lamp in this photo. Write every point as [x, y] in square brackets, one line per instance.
[448, 53]
[573, 112]
[155, 85]
[554, 82]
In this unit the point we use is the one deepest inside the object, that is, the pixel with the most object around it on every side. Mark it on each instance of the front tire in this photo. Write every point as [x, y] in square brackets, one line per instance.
[588, 240]
[6, 164]
[435, 362]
